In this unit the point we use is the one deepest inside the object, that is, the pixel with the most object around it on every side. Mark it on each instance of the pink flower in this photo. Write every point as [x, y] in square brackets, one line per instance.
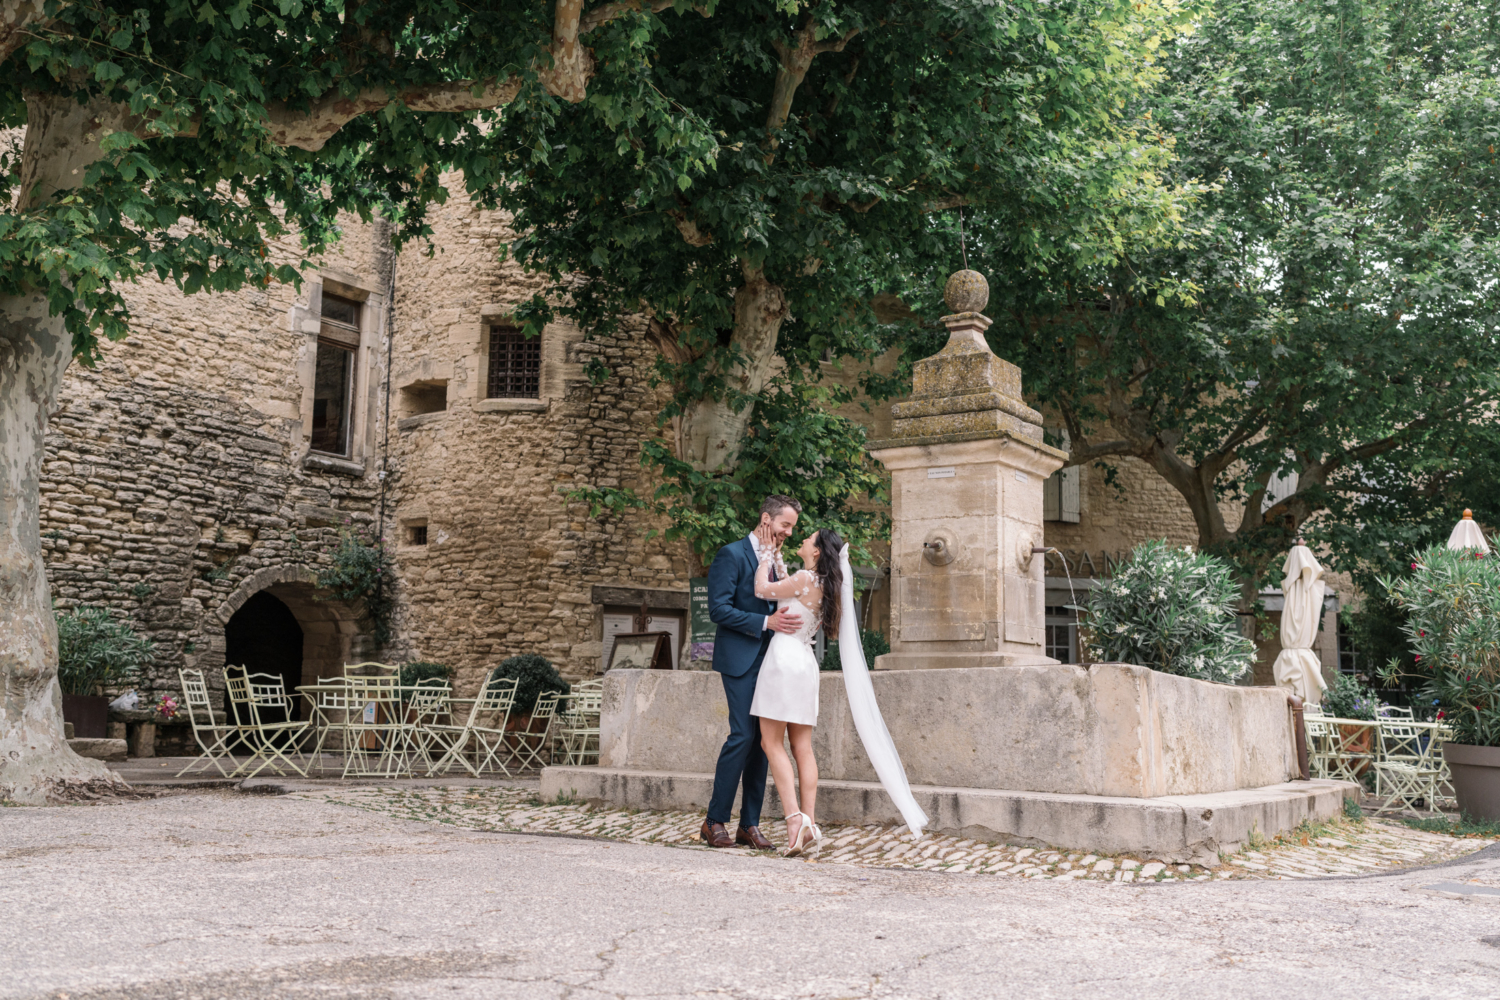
[1419, 659]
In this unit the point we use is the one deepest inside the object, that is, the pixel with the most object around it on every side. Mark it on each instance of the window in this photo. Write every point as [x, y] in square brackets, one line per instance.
[1348, 656]
[1062, 634]
[515, 365]
[333, 381]
[416, 534]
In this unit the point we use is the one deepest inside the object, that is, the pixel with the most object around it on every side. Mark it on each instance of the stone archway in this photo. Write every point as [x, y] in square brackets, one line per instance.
[331, 633]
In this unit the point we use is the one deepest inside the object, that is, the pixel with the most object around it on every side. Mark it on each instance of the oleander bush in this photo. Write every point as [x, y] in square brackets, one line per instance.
[96, 651]
[1171, 609]
[534, 675]
[1452, 604]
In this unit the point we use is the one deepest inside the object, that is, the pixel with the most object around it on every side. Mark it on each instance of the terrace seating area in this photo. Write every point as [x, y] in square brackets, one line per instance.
[1405, 756]
[367, 723]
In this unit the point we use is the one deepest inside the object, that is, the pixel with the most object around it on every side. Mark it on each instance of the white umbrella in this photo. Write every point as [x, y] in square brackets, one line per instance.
[1297, 667]
[1466, 535]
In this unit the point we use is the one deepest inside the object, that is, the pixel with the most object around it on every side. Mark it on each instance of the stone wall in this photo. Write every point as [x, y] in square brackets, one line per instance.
[509, 565]
[178, 480]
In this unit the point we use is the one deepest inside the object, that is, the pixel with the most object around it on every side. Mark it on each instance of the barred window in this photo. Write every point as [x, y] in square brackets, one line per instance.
[515, 364]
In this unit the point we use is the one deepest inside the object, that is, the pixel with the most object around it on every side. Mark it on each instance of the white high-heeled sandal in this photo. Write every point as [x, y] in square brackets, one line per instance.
[807, 827]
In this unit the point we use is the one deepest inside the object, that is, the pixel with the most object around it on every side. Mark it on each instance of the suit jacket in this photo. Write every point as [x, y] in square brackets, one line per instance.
[741, 638]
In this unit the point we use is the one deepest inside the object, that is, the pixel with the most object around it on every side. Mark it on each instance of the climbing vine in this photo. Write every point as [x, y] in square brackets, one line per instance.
[360, 573]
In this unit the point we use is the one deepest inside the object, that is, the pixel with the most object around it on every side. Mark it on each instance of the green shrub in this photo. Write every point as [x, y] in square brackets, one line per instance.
[1452, 605]
[1171, 609]
[875, 644]
[534, 675]
[96, 651]
[418, 671]
[1350, 699]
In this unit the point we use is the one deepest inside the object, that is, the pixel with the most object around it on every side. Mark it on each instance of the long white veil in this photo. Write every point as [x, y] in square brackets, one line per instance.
[867, 718]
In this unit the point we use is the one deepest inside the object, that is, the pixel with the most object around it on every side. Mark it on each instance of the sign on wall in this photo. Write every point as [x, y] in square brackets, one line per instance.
[700, 626]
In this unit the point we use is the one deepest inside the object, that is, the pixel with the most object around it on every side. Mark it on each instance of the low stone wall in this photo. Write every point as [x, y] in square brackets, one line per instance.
[1108, 729]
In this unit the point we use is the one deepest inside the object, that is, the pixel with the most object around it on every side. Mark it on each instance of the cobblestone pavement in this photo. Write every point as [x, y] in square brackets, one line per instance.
[1342, 847]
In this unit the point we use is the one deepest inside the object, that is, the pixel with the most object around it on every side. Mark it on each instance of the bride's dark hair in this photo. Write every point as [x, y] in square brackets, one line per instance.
[828, 544]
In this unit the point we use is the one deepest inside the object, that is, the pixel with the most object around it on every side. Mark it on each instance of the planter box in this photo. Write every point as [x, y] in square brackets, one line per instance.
[89, 714]
[1476, 778]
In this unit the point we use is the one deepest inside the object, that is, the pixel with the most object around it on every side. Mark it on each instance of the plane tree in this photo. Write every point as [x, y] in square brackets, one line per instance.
[1320, 352]
[851, 133]
[168, 140]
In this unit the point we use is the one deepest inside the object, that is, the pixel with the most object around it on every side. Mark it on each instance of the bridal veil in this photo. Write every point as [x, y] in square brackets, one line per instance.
[867, 718]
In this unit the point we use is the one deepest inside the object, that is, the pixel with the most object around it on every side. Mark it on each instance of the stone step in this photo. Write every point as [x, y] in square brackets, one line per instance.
[1179, 828]
[98, 749]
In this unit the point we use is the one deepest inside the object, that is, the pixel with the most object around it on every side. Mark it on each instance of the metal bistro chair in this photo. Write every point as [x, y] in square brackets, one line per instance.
[579, 723]
[1404, 774]
[251, 693]
[376, 716]
[485, 728]
[527, 744]
[212, 737]
[426, 703]
[1345, 761]
[1320, 740]
[333, 711]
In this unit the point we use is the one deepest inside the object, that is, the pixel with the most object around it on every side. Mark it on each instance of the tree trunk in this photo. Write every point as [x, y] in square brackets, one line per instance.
[36, 764]
[711, 428]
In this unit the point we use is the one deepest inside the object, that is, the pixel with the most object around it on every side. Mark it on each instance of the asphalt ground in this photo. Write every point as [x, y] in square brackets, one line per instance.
[220, 894]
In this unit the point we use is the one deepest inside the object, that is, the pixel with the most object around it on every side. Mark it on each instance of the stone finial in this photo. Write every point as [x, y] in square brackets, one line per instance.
[967, 292]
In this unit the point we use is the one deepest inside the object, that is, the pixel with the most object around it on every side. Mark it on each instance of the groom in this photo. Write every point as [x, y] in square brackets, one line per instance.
[745, 626]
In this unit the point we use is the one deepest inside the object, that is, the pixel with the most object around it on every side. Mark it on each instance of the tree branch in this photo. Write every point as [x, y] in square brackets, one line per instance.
[795, 61]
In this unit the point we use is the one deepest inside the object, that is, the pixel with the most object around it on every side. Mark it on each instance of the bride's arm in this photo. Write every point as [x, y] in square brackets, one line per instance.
[796, 585]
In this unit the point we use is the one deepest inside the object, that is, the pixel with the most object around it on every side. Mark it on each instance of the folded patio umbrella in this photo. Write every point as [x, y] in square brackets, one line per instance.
[1297, 667]
[1466, 535]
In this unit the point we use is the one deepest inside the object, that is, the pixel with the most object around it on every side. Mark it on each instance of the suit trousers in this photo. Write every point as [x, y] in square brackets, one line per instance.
[742, 761]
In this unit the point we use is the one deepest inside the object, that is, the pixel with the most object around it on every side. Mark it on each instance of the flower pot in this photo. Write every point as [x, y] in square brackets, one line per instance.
[1357, 739]
[89, 714]
[1476, 778]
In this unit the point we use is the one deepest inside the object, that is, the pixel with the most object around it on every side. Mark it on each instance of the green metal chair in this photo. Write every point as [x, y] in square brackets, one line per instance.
[578, 723]
[528, 745]
[268, 741]
[484, 728]
[212, 737]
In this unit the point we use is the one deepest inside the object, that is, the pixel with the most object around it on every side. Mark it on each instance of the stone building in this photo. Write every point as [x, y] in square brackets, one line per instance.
[200, 478]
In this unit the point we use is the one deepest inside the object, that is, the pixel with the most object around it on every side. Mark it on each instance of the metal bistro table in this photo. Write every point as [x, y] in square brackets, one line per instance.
[382, 725]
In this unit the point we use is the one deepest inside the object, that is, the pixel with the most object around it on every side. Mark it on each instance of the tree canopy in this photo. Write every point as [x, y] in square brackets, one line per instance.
[1321, 347]
[847, 135]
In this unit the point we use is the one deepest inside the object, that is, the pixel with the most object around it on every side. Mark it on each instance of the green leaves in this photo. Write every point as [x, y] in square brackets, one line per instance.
[1173, 610]
[1340, 253]
[1452, 601]
[97, 651]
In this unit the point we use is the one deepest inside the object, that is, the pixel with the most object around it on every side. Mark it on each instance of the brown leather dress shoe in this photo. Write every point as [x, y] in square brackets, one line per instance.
[715, 835]
[750, 836]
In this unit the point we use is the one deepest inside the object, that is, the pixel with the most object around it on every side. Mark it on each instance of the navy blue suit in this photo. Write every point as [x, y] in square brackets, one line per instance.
[739, 646]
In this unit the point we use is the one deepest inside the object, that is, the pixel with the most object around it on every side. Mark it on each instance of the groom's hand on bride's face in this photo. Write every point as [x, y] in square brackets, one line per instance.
[784, 620]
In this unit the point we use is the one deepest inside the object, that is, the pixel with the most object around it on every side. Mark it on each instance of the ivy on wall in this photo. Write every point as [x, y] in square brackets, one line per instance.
[360, 573]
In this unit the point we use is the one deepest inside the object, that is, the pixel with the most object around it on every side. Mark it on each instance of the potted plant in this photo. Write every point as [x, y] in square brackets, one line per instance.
[534, 675]
[1350, 699]
[94, 652]
[1452, 600]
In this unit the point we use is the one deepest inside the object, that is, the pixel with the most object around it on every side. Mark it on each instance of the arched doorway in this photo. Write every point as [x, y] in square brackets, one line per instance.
[264, 637]
[273, 601]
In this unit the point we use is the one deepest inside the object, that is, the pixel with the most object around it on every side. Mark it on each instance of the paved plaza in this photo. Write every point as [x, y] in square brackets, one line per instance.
[381, 892]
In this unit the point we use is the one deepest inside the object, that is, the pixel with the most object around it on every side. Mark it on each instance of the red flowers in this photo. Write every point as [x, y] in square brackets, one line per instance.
[1441, 714]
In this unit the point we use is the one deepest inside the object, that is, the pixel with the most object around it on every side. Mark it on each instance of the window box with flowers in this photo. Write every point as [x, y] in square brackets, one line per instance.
[1452, 600]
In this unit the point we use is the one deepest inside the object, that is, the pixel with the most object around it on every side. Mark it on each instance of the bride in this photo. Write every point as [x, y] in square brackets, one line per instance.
[786, 692]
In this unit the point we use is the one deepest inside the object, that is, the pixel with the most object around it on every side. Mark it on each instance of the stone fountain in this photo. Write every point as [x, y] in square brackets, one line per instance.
[999, 741]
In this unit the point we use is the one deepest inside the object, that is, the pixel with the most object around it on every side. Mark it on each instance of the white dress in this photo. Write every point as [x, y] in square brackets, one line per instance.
[787, 688]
